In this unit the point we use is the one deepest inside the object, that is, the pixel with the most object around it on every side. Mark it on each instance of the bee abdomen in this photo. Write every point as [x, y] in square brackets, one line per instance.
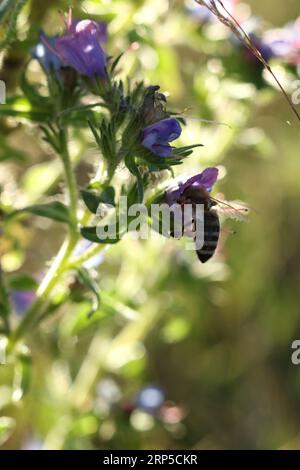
[211, 236]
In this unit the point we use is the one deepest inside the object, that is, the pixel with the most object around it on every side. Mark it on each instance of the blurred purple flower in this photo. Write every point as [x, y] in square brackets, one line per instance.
[47, 59]
[157, 136]
[204, 180]
[285, 42]
[150, 399]
[204, 15]
[22, 300]
[266, 51]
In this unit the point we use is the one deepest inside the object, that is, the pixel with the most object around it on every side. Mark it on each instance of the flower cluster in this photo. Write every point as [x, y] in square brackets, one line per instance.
[136, 128]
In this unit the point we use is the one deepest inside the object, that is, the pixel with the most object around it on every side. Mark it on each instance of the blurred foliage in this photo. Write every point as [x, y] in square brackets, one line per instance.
[215, 337]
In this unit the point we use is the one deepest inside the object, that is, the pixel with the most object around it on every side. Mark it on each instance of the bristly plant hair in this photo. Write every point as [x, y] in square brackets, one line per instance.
[240, 33]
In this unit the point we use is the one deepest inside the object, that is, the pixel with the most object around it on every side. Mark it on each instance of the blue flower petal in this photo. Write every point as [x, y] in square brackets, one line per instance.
[157, 136]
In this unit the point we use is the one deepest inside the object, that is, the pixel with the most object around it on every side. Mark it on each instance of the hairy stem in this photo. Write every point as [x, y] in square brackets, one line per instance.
[89, 254]
[70, 178]
[59, 264]
[45, 289]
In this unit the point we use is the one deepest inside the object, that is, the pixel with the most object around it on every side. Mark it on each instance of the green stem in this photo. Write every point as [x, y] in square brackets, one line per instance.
[90, 253]
[70, 178]
[59, 264]
[45, 289]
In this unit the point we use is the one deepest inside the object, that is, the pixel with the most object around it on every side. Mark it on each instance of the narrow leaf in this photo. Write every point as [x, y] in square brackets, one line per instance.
[93, 199]
[20, 107]
[134, 169]
[90, 233]
[89, 282]
[53, 210]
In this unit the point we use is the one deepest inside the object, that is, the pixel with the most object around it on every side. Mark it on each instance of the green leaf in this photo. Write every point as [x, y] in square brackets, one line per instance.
[83, 110]
[90, 233]
[20, 107]
[110, 306]
[53, 210]
[22, 282]
[90, 283]
[184, 151]
[9, 12]
[115, 63]
[93, 198]
[108, 196]
[134, 170]
[7, 425]
[95, 133]
[81, 320]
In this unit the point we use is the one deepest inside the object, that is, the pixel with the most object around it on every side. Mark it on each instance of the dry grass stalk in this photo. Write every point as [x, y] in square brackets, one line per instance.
[217, 7]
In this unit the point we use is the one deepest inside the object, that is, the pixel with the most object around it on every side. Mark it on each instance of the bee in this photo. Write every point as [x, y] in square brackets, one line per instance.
[153, 107]
[212, 208]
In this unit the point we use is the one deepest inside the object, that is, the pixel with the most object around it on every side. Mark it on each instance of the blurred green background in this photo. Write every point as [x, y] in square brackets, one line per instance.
[216, 337]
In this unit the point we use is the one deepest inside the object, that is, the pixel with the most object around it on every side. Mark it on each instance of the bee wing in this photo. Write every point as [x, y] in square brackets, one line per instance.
[236, 210]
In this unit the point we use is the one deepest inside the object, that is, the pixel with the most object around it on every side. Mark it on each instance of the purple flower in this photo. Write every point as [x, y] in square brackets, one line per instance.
[204, 15]
[266, 51]
[285, 42]
[102, 29]
[47, 59]
[22, 300]
[204, 180]
[157, 136]
[150, 399]
[80, 47]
